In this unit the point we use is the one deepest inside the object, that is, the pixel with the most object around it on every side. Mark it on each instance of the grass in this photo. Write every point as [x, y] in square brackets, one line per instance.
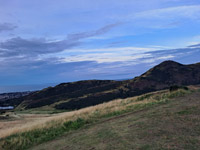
[188, 111]
[145, 96]
[39, 111]
[37, 136]
[158, 127]
[55, 126]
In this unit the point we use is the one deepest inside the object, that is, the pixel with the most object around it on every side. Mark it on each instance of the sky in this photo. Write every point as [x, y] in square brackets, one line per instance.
[45, 42]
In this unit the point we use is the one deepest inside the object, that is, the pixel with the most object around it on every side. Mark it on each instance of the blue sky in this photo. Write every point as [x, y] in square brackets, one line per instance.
[46, 41]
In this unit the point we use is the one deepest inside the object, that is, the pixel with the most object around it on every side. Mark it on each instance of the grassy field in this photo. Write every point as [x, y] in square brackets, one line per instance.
[159, 120]
[174, 125]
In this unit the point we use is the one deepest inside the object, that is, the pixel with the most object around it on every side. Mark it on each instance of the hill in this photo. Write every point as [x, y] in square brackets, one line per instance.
[77, 95]
[157, 120]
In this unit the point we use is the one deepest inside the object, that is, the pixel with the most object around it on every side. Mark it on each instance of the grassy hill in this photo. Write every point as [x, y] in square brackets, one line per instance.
[158, 120]
[169, 126]
[77, 95]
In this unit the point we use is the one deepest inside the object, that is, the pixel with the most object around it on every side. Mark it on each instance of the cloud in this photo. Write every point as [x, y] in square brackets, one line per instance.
[100, 31]
[112, 63]
[191, 12]
[124, 56]
[169, 17]
[33, 47]
[109, 55]
[194, 46]
[7, 27]
[102, 55]
[23, 47]
[105, 57]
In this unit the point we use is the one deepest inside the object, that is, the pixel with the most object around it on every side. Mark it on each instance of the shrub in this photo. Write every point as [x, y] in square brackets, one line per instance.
[173, 88]
[176, 87]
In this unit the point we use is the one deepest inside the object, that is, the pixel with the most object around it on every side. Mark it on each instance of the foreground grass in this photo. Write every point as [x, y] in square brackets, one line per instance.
[24, 140]
[174, 125]
[66, 122]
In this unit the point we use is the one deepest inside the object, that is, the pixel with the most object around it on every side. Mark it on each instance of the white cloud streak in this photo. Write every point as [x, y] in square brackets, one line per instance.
[169, 17]
[192, 12]
[106, 55]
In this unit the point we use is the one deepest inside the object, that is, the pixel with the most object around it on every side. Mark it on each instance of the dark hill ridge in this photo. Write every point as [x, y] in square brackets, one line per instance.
[166, 74]
[170, 72]
[82, 94]
[67, 92]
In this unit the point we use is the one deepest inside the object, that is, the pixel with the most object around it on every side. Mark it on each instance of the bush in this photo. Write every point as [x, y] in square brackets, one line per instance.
[2, 112]
[176, 87]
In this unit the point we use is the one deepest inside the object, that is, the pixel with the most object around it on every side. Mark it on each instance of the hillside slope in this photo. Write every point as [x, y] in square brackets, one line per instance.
[172, 125]
[77, 95]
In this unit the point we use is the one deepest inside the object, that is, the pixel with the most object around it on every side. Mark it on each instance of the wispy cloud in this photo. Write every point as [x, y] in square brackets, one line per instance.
[7, 27]
[104, 55]
[195, 46]
[192, 12]
[29, 47]
[33, 47]
[166, 17]
[103, 30]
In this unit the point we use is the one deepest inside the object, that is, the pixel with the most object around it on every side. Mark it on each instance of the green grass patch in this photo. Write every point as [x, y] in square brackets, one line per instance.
[28, 139]
[145, 147]
[74, 125]
[184, 112]
[188, 111]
